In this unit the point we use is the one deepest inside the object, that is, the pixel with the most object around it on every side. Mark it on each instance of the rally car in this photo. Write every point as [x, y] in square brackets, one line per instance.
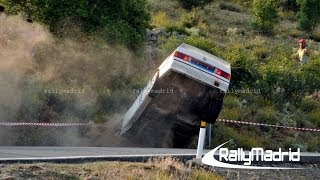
[188, 87]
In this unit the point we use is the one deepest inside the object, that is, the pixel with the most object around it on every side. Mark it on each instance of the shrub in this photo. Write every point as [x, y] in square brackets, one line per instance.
[166, 6]
[282, 82]
[288, 15]
[309, 105]
[203, 43]
[261, 52]
[305, 23]
[308, 14]
[313, 144]
[243, 66]
[177, 28]
[264, 14]
[161, 19]
[314, 117]
[238, 139]
[286, 116]
[266, 115]
[189, 4]
[200, 42]
[233, 113]
[288, 142]
[295, 33]
[125, 17]
[190, 19]
[310, 76]
[230, 101]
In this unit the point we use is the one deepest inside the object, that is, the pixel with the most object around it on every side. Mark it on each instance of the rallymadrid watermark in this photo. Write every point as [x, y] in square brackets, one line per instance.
[228, 158]
[64, 91]
[242, 91]
[154, 91]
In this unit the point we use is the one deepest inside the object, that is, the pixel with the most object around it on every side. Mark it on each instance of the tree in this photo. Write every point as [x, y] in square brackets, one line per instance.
[264, 14]
[308, 14]
[123, 21]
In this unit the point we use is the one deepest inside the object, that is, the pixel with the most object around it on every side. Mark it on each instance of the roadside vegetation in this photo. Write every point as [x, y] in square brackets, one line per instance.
[160, 168]
[257, 37]
[259, 41]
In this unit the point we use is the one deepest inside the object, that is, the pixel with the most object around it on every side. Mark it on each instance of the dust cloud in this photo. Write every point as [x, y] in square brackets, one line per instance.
[48, 79]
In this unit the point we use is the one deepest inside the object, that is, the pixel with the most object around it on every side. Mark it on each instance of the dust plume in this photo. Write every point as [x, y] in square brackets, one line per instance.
[48, 79]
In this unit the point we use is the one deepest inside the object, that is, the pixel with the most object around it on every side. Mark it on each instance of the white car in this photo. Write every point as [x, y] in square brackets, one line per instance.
[188, 87]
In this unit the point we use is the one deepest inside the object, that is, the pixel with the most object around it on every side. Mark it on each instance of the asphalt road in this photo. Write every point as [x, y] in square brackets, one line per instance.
[30, 155]
[61, 154]
[72, 154]
[36, 152]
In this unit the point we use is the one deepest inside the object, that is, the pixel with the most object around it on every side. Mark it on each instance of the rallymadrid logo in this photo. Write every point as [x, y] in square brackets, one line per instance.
[256, 154]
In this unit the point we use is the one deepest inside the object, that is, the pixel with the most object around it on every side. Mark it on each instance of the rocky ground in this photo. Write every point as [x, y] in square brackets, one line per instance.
[155, 38]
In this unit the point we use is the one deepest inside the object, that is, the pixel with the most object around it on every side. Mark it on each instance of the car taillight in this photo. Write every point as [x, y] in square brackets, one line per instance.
[181, 56]
[223, 74]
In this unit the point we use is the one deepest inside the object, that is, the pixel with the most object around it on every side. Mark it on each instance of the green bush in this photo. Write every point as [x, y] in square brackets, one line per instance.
[310, 75]
[261, 53]
[203, 43]
[267, 115]
[238, 139]
[314, 117]
[309, 105]
[305, 23]
[287, 15]
[244, 73]
[288, 115]
[189, 4]
[126, 20]
[190, 18]
[230, 101]
[314, 144]
[281, 81]
[234, 113]
[308, 14]
[264, 14]
[161, 19]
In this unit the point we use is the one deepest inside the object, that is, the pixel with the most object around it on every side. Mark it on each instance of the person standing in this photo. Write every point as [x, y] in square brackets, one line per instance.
[303, 52]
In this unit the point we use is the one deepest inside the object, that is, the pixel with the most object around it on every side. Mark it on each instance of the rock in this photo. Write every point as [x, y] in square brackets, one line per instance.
[158, 31]
[153, 38]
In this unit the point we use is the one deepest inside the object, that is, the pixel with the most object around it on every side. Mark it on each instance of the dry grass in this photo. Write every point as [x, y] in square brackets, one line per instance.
[161, 168]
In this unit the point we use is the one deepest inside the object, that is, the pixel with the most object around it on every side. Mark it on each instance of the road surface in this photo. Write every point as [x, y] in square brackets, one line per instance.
[69, 154]
[36, 152]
